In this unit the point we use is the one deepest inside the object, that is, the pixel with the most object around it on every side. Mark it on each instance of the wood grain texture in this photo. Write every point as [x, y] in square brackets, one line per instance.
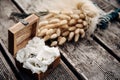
[31, 6]
[115, 3]
[6, 8]
[20, 34]
[61, 73]
[104, 5]
[5, 71]
[111, 36]
[90, 59]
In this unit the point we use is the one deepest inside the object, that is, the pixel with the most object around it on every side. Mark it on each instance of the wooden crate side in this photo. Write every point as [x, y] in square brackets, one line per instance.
[20, 33]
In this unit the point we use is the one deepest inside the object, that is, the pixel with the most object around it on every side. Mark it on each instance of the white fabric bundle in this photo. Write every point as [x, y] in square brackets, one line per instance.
[36, 56]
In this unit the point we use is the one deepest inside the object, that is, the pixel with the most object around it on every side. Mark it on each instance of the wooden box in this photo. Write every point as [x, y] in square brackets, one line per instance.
[20, 34]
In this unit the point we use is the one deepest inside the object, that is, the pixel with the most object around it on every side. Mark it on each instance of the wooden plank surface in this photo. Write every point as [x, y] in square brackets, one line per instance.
[115, 3]
[104, 5]
[6, 8]
[111, 36]
[5, 71]
[61, 73]
[89, 58]
[8, 69]
[92, 60]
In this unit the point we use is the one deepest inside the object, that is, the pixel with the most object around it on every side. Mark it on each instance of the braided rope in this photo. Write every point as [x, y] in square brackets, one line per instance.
[104, 21]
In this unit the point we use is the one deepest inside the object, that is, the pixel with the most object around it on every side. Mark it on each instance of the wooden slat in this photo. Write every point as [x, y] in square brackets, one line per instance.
[26, 5]
[5, 71]
[90, 59]
[111, 36]
[115, 3]
[6, 8]
[8, 70]
[61, 72]
[104, 5]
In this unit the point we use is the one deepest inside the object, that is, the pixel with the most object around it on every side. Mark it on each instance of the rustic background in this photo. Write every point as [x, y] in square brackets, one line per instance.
[94, 59]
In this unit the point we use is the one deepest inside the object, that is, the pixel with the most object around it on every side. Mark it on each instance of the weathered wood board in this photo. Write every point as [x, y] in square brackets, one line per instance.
[20, 33]
[91, 59]
[88, 57]
[115, 3]
[111, 36]
[8, 70]
[6, 8]
[61, 73]
[5, 71]
[104, 5]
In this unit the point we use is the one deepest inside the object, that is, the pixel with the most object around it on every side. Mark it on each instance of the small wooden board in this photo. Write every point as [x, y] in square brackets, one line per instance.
[21, 33]
[91, 60]
[6, 8]
[8, 71]
[111, 36]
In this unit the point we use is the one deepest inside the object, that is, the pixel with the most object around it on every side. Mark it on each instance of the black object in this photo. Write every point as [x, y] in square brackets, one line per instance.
[118, 1]
[19, 16]
[104, 21]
